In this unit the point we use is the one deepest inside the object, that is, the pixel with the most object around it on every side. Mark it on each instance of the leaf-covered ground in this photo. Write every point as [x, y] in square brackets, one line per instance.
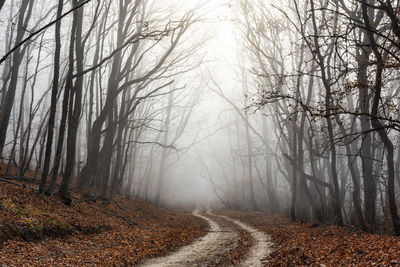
[297, 244]
[40, 230]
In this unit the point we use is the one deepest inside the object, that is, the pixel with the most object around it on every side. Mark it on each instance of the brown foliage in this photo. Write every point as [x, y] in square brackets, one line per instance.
[84, 234]
[298, 244]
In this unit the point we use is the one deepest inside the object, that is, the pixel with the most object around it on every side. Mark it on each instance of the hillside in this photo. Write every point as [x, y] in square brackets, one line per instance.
[41, 230]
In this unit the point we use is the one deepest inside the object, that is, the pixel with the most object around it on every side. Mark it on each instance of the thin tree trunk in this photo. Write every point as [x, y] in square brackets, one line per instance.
[53, 105]
[2, 4]
[75, 109]
[8, 100]
[367, 160]
[379, 126]
[328, 107]
[160, 182]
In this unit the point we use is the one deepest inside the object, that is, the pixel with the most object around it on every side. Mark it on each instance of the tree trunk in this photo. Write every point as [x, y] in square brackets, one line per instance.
[161, 170]
[378, 125]
[75, 109]
[8, 100]
[53, 105]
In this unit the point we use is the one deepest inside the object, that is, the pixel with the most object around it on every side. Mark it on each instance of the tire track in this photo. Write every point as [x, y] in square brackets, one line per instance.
[261, 247]
[202, 252]
[208, 250]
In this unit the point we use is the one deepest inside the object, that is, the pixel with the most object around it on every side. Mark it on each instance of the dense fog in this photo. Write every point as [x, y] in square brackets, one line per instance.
[282, 106]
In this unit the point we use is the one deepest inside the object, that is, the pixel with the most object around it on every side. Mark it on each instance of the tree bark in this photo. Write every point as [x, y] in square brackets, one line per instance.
[53, 105]
[75, 107]
[8, 100]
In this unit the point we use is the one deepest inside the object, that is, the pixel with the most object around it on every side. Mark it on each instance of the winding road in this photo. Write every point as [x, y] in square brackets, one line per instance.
[220, 239]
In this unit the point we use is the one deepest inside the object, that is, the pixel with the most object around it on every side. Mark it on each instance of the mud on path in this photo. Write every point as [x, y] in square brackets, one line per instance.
[228, 242]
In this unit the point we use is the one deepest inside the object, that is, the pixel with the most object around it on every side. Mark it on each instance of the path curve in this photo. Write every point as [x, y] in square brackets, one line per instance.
[218, 241]
[261, 247]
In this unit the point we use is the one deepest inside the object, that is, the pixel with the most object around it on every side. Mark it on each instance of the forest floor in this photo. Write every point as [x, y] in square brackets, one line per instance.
[304, 244]
[38, 230]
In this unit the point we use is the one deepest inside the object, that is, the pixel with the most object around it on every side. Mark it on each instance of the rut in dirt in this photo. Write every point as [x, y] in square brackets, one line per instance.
[210, 249]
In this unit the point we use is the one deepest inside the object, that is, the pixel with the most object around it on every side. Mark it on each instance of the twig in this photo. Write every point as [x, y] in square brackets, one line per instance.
[132, 223]
[24, 186]
[117, 204]
[40, 30]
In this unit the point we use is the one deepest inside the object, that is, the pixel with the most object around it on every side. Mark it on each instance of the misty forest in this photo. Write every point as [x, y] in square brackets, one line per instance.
[199, 133]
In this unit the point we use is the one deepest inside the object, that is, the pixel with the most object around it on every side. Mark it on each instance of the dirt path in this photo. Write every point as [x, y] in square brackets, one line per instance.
[221, 238]
[261, 247]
